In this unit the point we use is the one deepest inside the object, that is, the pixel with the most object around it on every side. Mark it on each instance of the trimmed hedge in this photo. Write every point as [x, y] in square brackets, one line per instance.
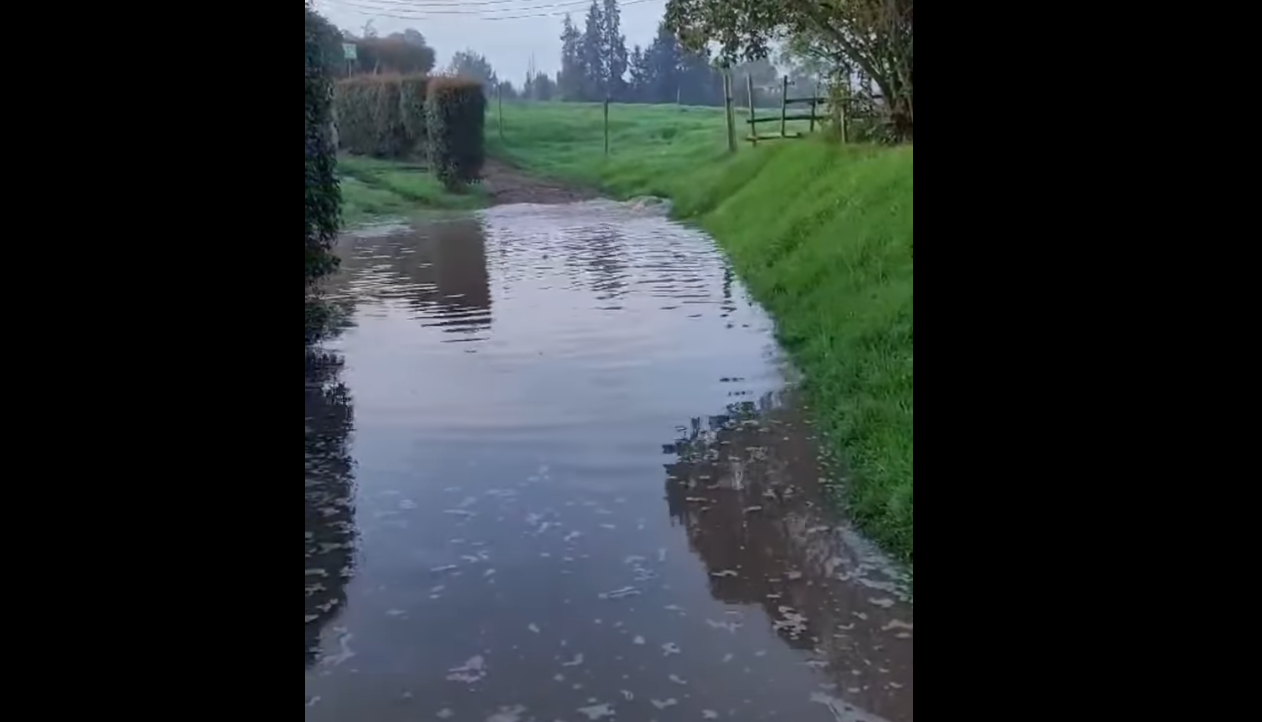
[352, 104]
[412, 91]
[455, 115]
[381, 115]
[387, 118]
[323, 197]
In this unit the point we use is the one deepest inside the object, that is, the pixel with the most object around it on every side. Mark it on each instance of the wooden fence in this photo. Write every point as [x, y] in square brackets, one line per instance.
[812, 115]
[842, 113]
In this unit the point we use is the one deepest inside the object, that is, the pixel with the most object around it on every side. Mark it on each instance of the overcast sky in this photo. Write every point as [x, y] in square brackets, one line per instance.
[525, 27]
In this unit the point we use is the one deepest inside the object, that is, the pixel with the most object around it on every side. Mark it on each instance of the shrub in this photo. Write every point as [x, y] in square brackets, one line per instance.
[455, 113]
[412, 105]
[369, 116]
[323, 196]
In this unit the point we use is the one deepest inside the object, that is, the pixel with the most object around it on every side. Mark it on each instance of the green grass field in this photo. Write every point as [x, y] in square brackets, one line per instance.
[649, 145]
[821, 233]
[379, 188]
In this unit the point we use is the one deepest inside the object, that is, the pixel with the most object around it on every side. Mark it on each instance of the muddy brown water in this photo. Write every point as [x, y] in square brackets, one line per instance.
[554, 472]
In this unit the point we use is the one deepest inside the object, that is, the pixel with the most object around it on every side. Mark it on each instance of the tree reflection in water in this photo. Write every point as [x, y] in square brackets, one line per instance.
[744, 485]
[330, 531]
[730, 492]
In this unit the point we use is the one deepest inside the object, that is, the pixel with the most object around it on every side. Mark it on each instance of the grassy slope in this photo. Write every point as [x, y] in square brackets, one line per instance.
[821, 234]
[376, 188]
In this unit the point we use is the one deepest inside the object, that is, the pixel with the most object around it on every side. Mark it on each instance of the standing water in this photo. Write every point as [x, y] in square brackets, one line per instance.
[553, 473]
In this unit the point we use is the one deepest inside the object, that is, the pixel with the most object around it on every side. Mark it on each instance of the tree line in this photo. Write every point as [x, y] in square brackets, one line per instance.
[859, 49]
[597, 65]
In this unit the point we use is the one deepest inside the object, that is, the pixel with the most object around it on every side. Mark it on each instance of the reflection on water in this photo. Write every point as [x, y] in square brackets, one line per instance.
[442, 275]
[516, 559]
[744, 486]
[330, 529]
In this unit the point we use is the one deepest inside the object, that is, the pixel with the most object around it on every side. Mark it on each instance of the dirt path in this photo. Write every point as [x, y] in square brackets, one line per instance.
[506, 184]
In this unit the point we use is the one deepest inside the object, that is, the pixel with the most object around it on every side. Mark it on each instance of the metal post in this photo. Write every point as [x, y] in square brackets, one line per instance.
[606, 125]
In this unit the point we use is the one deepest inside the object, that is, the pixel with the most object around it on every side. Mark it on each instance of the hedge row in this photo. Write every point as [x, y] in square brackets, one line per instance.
[323, 196]
[412, 90]
[455, 116]
[381, 115]
[390, 116]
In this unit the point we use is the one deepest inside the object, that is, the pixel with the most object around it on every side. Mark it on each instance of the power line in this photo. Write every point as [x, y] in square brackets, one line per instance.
[426, 9]
[420, 4]
[426, 14]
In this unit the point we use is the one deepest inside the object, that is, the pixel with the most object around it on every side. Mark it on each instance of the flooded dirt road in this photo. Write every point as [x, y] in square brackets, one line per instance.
[552, 475]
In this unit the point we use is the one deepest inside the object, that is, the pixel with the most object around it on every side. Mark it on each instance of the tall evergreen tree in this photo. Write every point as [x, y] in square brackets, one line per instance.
[542, 87]
[663, 61]
[699, 82]
[592, 54]
[641, 73]
[570, 78]
[615, 51]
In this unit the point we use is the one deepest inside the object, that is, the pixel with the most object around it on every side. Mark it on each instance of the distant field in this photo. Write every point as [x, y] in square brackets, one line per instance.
[649, 145]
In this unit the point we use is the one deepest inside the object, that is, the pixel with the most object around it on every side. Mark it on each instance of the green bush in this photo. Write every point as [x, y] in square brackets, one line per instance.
[323, 196]
[455, 113]
[412, 105]
[369, 116]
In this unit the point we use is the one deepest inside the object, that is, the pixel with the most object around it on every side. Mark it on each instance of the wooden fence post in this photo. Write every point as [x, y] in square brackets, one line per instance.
[727, 114]
[606, 125]
[753, 126]
[814, 98]
[842, 101]
[784, 107]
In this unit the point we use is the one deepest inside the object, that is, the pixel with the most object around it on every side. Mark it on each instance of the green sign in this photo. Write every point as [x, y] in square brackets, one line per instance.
[348, 49]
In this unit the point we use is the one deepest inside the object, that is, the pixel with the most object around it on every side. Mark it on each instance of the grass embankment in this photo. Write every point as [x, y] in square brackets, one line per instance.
[822, 235]
[374, 188]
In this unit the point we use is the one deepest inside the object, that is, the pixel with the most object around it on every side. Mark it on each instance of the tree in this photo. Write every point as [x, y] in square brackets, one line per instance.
[542, 88]
[873, 37]
[614, 51]
[474, 65]
[394, 54]
[570, 80]
[506, 90]
[662, 60]
[801, 63]
[411, 37]
[699, 83]
[329, 39]
[592, 54]
[641, 73]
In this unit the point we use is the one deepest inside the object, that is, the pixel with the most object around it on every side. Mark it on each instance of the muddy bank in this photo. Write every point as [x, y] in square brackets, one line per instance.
[506, 184]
